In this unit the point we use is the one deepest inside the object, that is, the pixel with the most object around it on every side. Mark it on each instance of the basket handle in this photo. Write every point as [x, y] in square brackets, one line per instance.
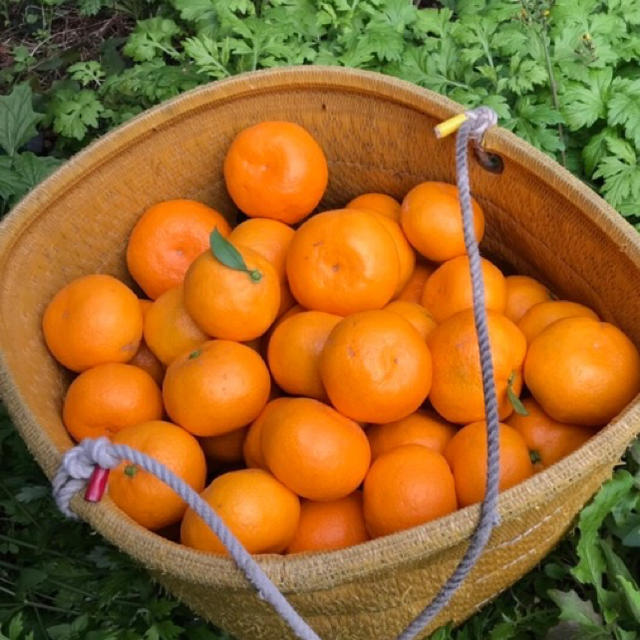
[91, 458]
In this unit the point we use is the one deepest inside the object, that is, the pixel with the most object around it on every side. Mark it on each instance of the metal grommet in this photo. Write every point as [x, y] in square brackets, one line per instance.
[491, 162]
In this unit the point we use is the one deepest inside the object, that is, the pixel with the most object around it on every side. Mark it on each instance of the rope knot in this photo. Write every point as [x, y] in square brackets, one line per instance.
[76, 468]
[479, 120]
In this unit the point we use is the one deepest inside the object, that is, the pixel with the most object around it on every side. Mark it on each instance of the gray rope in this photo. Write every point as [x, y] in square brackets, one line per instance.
[78, 463]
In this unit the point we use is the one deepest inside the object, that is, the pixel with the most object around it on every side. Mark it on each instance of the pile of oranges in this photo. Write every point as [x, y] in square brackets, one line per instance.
[317, 377]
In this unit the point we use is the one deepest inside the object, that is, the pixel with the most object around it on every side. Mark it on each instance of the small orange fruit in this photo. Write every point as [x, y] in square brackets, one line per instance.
[432, 220]
[415, 314]
[467, 455]
[142, 496]
[269, 238]
[456, 390]
[412, 291]
[324, 526]
[93, 320]
[146, 360]
[543, 314]
[294, 352]
[168, 329]
[104, 399]
[448, 289]
[219, 387]
[313, 450]
[375, 367]
[261, 512]
[582, 371]
[252, 448]
[343, 261]
[406, 254]
[378, 202]
[422, 427]
[167, 238]
[226, 448]
[547, 439]
[276, 170]
[231, 304]
[405, 487]
[522, 293]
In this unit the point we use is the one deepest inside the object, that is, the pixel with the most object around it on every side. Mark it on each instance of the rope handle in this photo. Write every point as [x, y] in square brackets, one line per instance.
[92, 458]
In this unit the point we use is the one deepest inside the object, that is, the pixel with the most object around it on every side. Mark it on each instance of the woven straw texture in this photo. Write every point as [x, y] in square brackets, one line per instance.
[378, 135]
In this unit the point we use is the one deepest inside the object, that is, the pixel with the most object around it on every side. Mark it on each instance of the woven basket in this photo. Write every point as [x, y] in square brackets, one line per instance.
[377, 133]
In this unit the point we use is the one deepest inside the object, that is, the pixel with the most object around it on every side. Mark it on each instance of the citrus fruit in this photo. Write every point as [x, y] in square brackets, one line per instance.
[467, 455]
[229, 303]
[252, 447]
[412, 291]
[448, 289]
[522, 293]
[142, 496]
[325, 526]
[294, 352]
[219, 387]
[167, 238]
[168, 328]
[261, 512]
[582, 371]
[93, 320]
[422, 427]
[343, 261]
[378, 202]
[276, 170]
[415, 314]
[543, 314]
[226, 448]
[432, 220]
[456, 389]
[313, 450]
[104, 399]
[547, 439]
[405, 487]
[146, 360]
[375, 367]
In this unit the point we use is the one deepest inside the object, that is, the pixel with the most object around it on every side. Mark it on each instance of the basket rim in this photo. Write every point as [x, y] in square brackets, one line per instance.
[297, 572]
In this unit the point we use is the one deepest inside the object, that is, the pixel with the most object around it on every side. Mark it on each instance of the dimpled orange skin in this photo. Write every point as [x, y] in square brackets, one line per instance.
[147, 361]
[325, 526]
[412, 291]
[379, 202]
[261, 512]
[419, 318]
[294, 352]
[376, 367]
[522, 293]
[582, 371]
[314, 450]
[432, 221]
[104, 399]
[341, 262]
[276, 170]
[141, 495]
[405, 487]
[269, 238]
[467, 456]
[406, 254]
[168, 329]
[425, 428]
[219, 387]
[456, 389]
[544, 314]
[547, 439]
[226, 448]
[448, 289]
[167, 238]
[229, 304]
[93, 320]
[252, 448]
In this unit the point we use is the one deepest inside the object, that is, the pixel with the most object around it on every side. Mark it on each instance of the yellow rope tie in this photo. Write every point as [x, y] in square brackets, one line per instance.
[449, 126]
